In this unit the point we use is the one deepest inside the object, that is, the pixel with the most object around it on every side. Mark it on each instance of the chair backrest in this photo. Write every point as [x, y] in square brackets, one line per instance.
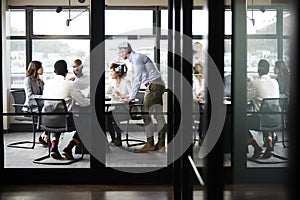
[49, 121]
[19, 99]
[136, 109]
[273, 111]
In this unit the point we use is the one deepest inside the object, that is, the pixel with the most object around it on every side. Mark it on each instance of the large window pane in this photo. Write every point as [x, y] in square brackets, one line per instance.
[260, 49]
[261, 22]
[17, 62]
[227, 56]
[228, 22]
[164, 22]
[200, 22]
[138, 22]
[286, 23]
[49, 51]
[15, 23]
[49, 22]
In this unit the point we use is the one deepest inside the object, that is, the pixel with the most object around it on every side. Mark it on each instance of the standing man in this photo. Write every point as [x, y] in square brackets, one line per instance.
[146, 72]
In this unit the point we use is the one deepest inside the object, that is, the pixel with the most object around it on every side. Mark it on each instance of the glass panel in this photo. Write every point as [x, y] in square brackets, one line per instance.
[286, 23]
[260, 49]
[134, 128]
[228, 22]
[261, 22]
[49, 51]
[79, 25]
[227, 56]
[15, 23]
[16, 62]
[200, 22]
[164, 61]
[140, 22]
[164, 21]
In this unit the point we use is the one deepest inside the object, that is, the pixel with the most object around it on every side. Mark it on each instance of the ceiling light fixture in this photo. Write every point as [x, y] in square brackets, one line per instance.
[252, 17]
[59, 9]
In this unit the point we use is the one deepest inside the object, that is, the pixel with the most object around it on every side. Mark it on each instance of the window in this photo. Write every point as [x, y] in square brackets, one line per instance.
[15, 23]
[49, 51]
[261, 22]
[138, 22]
[57, 25]
[17, 62]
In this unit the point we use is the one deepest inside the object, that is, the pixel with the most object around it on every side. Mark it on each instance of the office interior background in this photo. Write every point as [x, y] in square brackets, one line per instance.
[234, 34]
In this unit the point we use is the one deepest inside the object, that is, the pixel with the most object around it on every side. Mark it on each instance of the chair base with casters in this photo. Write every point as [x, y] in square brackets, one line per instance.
[21, 144]
[55, 117]
[271, 117]
[40, 160]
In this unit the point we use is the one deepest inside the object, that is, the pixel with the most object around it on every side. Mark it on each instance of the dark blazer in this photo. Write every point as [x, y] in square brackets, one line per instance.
[32, 90]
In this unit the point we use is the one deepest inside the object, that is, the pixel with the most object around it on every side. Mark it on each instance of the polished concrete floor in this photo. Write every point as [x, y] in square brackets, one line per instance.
[133, 192]
[121, 157]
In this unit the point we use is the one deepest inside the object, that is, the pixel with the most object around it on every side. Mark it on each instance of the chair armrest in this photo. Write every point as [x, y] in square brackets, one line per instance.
[22, 106]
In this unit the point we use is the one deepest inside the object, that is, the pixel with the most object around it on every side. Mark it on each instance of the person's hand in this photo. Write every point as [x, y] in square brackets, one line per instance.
[126, 99]
[72, 78]
[118, 94]
[199, 99]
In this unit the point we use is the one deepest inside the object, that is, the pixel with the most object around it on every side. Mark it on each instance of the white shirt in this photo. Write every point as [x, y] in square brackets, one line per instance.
[198, 89]
[124, 88]
[264, 87]
[61, 88]
[83, 83]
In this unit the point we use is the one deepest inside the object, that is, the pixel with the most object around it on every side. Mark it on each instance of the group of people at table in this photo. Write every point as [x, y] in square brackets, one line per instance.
[145, 72]
[76, 89]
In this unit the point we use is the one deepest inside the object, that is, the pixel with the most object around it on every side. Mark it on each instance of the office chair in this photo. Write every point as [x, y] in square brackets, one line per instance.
[19, 99]
[54, 117]
[271, 117]
[136, 117]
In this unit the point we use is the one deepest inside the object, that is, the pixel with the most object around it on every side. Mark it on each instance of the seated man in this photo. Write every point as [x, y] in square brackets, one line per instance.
[264, 87]
[60, 88]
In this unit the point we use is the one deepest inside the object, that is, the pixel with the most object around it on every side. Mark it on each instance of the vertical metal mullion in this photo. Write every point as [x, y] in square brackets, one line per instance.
[239, 69]
[177, 86]
[187, 60]
[170, 79]
[214, 162]
[279, 33]
[97, 90]
[29, 34]
[1, 102]
[158, 35]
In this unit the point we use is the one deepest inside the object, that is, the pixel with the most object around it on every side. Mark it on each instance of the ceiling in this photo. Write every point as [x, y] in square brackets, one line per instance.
[124, 3]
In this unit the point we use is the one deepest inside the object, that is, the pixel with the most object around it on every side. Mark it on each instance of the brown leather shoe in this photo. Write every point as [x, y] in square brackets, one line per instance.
[160, 147]
[147, 147]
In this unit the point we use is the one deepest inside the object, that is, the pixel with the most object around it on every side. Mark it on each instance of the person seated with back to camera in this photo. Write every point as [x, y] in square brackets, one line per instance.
[61, 88]
[118, 88]
[264, 87]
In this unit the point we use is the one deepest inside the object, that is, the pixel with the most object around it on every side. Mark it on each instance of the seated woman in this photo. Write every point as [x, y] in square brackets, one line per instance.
[34, 87]
[119, 87]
